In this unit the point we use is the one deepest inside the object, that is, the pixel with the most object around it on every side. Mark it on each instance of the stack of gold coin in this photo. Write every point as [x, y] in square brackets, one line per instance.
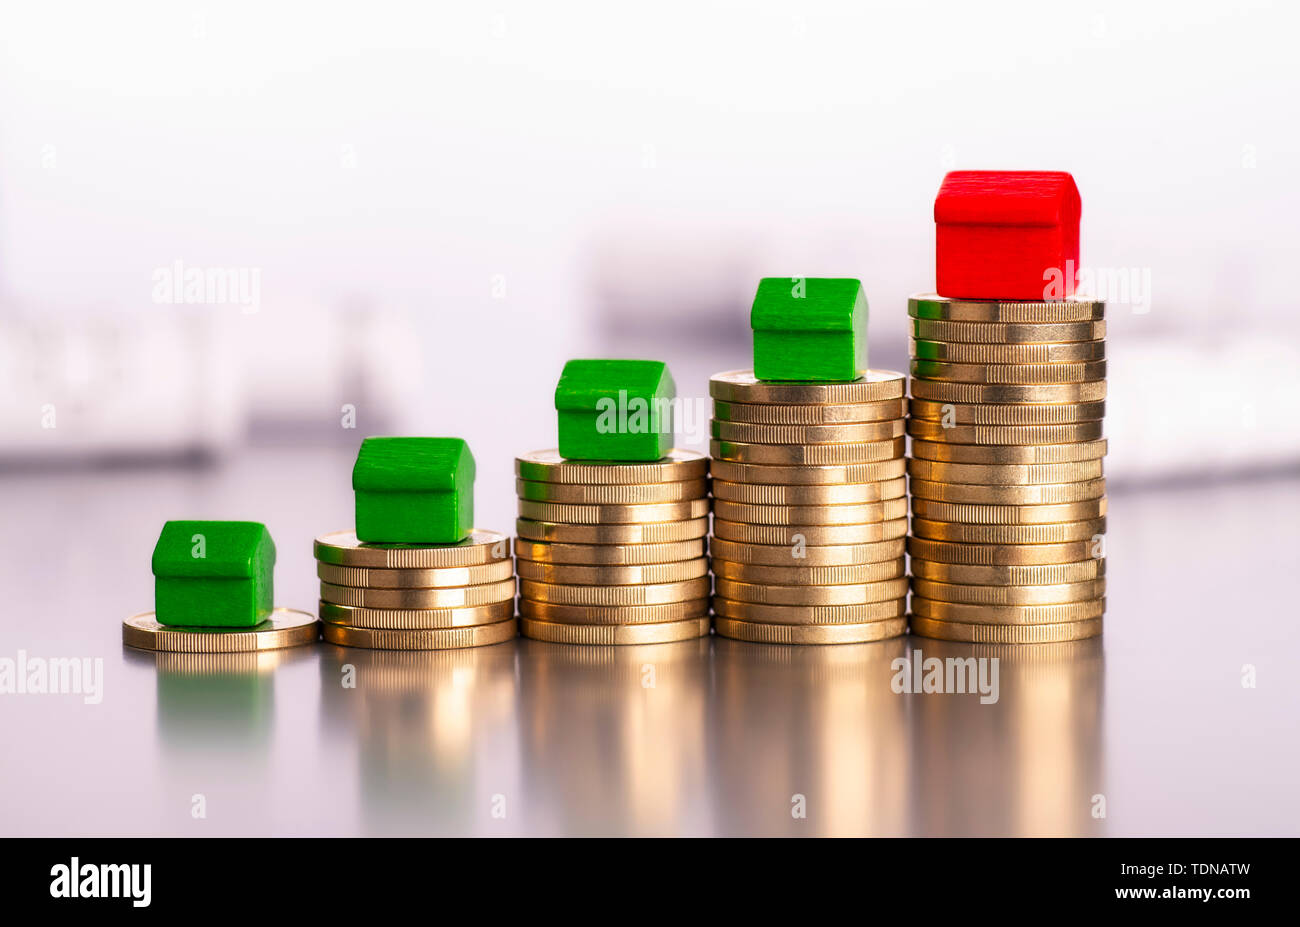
[612, 552]
[411, 597]
[1008, 496]
[809, 508]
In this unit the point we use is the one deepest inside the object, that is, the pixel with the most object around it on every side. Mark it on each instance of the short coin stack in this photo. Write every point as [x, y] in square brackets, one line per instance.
[416, 597]
[612, 552]
[1008, 496]
[810, 508]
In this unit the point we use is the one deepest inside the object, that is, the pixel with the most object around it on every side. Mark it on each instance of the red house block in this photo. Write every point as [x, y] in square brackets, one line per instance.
[1006, 235]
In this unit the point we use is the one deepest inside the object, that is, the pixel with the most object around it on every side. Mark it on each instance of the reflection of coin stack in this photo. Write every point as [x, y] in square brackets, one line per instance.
[613, 553]
[809, 508]
[1008, 500]
[413, 597]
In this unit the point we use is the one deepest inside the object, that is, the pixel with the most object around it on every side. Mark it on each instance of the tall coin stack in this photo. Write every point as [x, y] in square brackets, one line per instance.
[1008, 497]
[810, 508]
[612, 552]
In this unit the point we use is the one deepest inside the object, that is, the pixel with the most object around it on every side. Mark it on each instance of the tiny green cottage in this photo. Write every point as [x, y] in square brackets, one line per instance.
[615, 409]
[809, 328]
[414, 490]
[214, 574]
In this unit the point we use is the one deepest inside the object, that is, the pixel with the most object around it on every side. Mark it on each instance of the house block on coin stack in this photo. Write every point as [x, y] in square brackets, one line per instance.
[809, 328]
[213, 574]
[615, 410]
[414, 490]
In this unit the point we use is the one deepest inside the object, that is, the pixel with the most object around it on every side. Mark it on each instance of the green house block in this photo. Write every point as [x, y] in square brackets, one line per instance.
[414, 490]
[809, 328]
[615, 409]
[213, 574]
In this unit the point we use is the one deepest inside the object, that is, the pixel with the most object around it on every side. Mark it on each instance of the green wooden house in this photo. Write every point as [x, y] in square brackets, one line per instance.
[213, 574]
[414, 490]
[809, 328]
[615, 409]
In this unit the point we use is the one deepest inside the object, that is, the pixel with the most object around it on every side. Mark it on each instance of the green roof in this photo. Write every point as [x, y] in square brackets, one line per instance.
[412, 464]
[808, 304]
[583, 383]
[230, 549]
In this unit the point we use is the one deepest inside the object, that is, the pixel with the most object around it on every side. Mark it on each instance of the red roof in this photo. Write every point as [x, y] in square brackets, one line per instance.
[1007, 198]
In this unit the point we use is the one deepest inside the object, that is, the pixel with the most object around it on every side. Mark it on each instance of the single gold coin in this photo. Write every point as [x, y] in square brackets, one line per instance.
[342, 548]
[1004, 434]
[810, 633]
[974, 613]
[957, 352]
[743, 386]
[795, 475]
[807, 434]
[972, 413]
[645, 594]
[1046, 573]
[860, 514]
[1053, 594]
[602, 575]
[1035, 494]
[771, 413]
[797, 575]
[479, 635]
[810, 614]
[1009, 373]
[1008, 634]
[649, 512]
[1003, 554]
[815, 454]
[1008, 453]
[801, 555]
[1009, 514]
[1004, 474]
[450, 597]
[613, 554]
[1071, 309]
[284, 627]
[1009, 534]
[415, 579]
[406, 619]
[856, 594]
[793, 494]
[668, 532]
[550, 467]
[612, 493]
[939, 391]
[613, 614]
[1007, 332]
[808, 535]
[611, 634]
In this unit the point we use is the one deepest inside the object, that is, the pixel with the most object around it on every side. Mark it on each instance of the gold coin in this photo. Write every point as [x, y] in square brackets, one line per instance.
[971, 413]
[807, 434]
[614, 554]
[1009, 373]
[1007, 332]
[1005, 434]
[1076, 572]
[613, 614]
[1009, 514]
[771, 413]
[1001, 554]
[966, 353]
[1009, 453]
[860, 514]
[550, 467]
[786, 454]
[841, 494]
[650, 512]
[406, 619]
[795, 575]
[602, 575]
[450, 597]
[810, 614]
[415, 579]
[1004, 474]
[1008, 534]
[781, 555]
[343, 549]
[645, 594]
[811, 535]
[1009, 634]
[810, 633]
[743, 386]
[1071, 309]
[795, 475]
[973, 613]
[1053, 594]
[421, 639]
[612, 493]
[611, 634]
[657, 533]
[857, 594]
[284, 627]
[940, 391]
[1039, 494]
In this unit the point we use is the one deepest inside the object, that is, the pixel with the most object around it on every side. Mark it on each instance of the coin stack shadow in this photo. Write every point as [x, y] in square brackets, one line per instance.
[612, 552]
[1007, 488]
[409, 597]
[809, 508]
